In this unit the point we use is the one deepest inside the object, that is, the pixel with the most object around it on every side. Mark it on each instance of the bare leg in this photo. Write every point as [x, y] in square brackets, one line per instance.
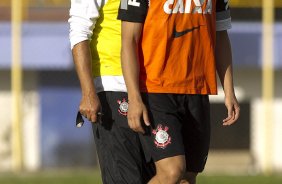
[189, 178]
[169, 170]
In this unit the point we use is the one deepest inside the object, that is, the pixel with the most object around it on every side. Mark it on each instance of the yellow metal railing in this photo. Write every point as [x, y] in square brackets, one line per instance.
[16, 87]
[268, 84]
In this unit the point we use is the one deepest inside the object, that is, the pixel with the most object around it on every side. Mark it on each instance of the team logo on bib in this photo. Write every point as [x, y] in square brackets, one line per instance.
[123, 107]
[162, 138]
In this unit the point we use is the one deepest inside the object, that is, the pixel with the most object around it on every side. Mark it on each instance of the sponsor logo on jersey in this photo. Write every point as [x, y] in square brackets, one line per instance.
[123, 106]
[188, 6]
[162, 138]
[177, 34]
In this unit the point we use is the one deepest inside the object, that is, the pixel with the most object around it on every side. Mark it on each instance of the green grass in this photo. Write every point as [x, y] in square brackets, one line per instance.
[93, 177]
[275, 179]
[53, 177]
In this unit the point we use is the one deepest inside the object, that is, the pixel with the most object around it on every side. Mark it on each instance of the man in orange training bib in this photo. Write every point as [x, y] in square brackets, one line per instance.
[171, 50]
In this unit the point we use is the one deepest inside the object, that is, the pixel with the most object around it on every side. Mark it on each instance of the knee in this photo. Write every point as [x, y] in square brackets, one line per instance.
[189, 178]
[176, 173]
[171, 174]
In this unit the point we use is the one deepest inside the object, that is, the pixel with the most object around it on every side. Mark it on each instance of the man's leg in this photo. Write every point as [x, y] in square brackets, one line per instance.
[180, 126]
[120, 155]
[189, 178]
[196, 136]
[163, 141]
[169, 170]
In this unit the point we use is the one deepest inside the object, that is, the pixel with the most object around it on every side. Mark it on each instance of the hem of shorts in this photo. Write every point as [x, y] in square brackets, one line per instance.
[195, 171]
[167, 156]
[177, 154]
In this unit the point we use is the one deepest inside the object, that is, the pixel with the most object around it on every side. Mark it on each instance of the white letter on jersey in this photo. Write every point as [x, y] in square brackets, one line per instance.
[227, 4]
[188, 6]
[179, 7]
[208, 7]
[133, 3]
[198, 4]
[167, 7]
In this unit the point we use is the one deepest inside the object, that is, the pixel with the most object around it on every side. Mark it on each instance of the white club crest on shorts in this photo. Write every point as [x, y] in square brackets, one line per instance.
[162, 138]
[123, 106]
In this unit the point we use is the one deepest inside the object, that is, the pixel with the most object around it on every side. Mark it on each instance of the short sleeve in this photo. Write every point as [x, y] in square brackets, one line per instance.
[223, 18]
[133, 10]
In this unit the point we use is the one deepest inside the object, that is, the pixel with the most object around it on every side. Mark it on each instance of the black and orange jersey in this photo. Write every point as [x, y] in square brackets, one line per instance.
[178, 43]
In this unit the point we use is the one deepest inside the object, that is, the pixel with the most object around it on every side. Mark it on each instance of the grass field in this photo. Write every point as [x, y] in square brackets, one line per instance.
[93, 177]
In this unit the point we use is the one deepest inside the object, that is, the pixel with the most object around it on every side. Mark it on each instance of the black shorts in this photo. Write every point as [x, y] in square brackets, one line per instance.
[180, 125]
[120, 154]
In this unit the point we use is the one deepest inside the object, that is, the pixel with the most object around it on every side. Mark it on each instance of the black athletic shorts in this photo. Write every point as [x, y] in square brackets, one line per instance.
[180, 125]
[120, 154]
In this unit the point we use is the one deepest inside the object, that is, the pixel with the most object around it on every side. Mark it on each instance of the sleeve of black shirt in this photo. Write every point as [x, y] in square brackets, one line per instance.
[133, 10]
[222, 5]
[222, 11]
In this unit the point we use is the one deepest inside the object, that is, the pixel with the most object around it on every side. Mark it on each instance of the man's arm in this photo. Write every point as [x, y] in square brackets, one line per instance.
[225, 73]
[130, 66]
[83, 16]
[89, 104]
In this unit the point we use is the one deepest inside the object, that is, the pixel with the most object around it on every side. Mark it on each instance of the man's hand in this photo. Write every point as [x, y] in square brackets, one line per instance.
[233, 109]
[137, 112]
[90, 107]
